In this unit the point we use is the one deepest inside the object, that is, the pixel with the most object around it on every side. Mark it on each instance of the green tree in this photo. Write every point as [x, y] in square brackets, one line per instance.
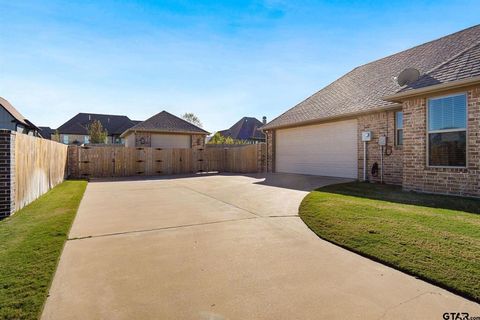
[217, 139]
[229, 140]
[192, 118]
[96, 132]
[56, 136]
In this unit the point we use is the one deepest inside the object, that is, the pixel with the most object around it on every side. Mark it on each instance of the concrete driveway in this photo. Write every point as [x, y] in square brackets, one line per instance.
[222, 247]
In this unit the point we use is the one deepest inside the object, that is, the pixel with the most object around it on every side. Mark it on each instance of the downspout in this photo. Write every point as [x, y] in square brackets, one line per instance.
[364, 160]
[266, 151]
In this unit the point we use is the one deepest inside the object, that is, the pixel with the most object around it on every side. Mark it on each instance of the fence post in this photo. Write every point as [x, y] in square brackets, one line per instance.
[7, 173]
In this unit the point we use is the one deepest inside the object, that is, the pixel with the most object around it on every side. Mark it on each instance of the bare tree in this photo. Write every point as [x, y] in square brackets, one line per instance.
[192, 118]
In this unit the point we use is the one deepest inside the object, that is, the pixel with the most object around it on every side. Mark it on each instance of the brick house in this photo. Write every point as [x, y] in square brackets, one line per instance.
[164, 130]
[429, 124]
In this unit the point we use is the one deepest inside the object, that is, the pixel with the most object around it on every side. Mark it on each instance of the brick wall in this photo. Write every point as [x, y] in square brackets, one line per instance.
[270, 163]
[380, 123]
[7, 173]
[417, 175]
[198, 140]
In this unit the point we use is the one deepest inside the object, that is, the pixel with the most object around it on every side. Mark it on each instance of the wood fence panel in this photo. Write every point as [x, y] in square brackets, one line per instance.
[40, 165]
[242, 160]
[214, 159]
[130, 161]
[140, 160]
[97, 161]
[182, 161]
[157, 165]
[106, 161]
[119, 162]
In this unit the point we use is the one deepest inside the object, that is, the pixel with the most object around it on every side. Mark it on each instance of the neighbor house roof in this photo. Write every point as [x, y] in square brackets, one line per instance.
[46, 132]
[362, 89]
[114, 124]
[166, 122]
[15, 114]
[245, 129]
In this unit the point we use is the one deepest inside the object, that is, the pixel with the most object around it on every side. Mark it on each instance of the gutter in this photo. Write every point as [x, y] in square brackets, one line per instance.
[395, 106]
[398, 97]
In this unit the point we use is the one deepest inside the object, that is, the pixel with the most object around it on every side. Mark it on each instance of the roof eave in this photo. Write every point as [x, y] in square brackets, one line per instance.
[399, 97]
[331, 118]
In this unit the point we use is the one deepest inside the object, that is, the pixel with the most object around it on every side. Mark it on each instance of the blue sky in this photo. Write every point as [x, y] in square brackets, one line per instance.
[219, 59]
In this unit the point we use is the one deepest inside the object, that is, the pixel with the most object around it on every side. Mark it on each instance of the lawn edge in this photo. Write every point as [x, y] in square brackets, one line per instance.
[47, 294]
[434, 282]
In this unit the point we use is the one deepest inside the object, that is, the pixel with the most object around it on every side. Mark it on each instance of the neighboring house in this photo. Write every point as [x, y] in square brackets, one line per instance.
[13, 120]
[431, 124]
[75, 130]
[164, 130]
[46, 132]
[246, 129]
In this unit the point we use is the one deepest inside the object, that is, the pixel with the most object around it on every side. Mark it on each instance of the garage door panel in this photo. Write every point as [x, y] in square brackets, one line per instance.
[327, 149]
[170, 141]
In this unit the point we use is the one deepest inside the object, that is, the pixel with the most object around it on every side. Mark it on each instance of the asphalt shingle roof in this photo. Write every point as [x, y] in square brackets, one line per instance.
[14, 112]
[114, 124]
[363, 88]
[166, 122]
[246, 128]
[463, 66]
[46, 132]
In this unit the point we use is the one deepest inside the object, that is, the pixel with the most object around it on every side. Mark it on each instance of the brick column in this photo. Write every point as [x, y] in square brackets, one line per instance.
[7, 173]
[73, 162]
[261, 157]
[198, 141]
[270, 152]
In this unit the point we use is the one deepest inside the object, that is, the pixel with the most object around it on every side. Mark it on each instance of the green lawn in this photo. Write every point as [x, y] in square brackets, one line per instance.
[436, 238]
[30, 245]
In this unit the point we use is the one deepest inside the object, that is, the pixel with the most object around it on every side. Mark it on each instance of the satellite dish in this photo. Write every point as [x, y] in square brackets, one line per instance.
[408, 76]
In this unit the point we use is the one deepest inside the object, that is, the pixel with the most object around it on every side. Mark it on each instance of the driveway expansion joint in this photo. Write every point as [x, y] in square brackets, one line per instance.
[220, 200]
[156, 229]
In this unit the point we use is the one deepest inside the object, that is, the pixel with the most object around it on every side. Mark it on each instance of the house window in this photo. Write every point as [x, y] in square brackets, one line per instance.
[447, 131]
[86, 139]
[399, 128]
[65, 138]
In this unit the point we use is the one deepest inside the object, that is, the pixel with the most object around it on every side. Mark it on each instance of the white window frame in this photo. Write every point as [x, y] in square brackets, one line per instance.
[397, 129]
[447, 130]
[66, 138]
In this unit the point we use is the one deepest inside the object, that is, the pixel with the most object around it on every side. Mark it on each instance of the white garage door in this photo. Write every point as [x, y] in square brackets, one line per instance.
[328, 149]
[170, 140]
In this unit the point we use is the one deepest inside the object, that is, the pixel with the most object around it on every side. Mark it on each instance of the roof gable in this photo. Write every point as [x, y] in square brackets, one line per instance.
[13, 112]
[166, 122]
[363, 88]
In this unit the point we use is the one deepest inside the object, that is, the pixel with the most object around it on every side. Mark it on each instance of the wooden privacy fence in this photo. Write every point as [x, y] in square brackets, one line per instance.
[112, 161]
[39, 165]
